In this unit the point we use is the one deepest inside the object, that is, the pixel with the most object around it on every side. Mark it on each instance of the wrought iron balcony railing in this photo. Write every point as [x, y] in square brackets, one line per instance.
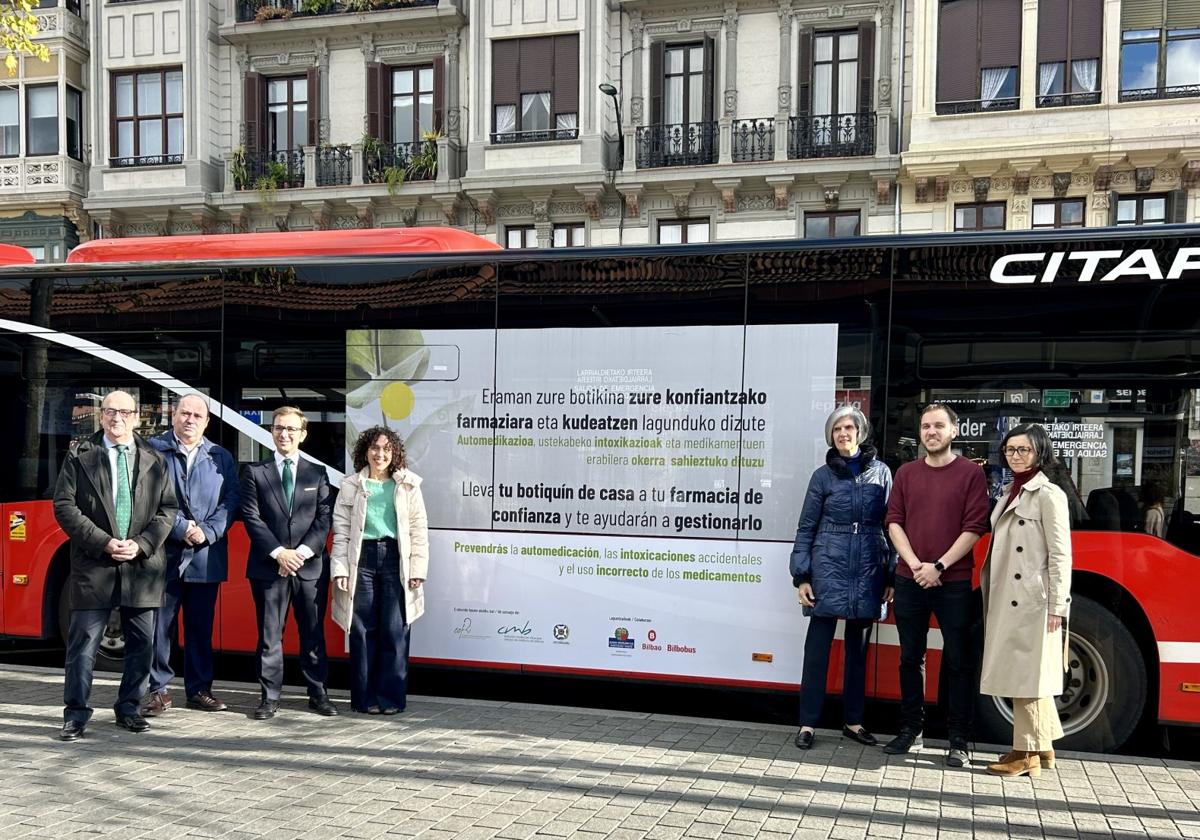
[753, 140]
[1066, 100]
[1147, 94]
[334, 166]
[282, 169]
[264, 10]
[831, 135]
[978, 106]
[542, 136]
[677, 144]
[146, 160]
[418, 161]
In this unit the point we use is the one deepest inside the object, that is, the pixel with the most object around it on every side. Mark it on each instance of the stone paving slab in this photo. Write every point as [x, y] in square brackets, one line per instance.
[465, 769]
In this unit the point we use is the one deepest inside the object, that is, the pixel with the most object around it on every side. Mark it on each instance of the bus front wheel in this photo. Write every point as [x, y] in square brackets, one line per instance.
[111, 654]
[1104, 692]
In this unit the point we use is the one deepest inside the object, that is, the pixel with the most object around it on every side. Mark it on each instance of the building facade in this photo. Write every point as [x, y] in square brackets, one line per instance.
[545, 123]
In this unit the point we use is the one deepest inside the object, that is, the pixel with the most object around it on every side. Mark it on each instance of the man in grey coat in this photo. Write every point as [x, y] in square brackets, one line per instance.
[116, 502]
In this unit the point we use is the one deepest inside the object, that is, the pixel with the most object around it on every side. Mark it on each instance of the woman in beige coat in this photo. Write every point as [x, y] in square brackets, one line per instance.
[379, 562]
[1026, 599]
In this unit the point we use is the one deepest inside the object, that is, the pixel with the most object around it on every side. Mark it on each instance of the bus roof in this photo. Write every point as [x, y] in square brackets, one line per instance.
[309, 243]
[15, 255]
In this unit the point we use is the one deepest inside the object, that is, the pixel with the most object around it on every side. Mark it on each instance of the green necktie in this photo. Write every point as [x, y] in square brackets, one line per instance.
[289, 482]
[124, 499]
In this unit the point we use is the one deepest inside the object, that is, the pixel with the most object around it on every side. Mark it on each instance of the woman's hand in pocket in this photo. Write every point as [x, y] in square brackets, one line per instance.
[342, 584]
[805, 593]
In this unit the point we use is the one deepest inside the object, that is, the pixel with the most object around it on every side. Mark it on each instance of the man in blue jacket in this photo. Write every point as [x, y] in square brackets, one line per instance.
[206, 483]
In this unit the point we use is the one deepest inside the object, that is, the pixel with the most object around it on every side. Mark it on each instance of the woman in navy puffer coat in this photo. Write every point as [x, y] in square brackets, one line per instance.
[842, 567]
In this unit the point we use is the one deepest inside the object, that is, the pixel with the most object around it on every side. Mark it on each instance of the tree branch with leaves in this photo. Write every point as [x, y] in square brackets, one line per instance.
[18, 27]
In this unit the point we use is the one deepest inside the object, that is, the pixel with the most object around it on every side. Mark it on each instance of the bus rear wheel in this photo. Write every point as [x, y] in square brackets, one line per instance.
[111, 654]
[1105, 687]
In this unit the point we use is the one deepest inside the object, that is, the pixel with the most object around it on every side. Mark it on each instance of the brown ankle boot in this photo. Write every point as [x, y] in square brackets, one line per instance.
[1023, 763]
[1047, 757]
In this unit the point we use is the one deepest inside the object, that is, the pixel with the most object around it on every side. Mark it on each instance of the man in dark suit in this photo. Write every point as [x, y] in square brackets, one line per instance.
[115, 501]
[287, 507]
[206, 484]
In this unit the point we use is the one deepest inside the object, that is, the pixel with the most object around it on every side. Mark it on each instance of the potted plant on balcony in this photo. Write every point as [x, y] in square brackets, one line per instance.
[238, 169]
[274, 176]
[268, 12]
[317, 7]
[360, 5]
[424, 163]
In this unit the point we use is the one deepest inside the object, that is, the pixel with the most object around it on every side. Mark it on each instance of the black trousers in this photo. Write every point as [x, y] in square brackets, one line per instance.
[84, 633]
[951, 603]
[816, 669]
[307, 599]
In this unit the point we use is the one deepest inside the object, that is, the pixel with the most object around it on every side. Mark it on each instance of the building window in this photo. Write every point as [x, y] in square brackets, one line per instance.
[74, 123]
[682, 231]
[683, 84]
[1160, 63]
[1069, 47]
[1142, 210]
[412, 103]
[831, 225]
[287, 113]
[989, 216]
[535, 94]
[41, 115]
[979, 51]
[10, 123]
[148, 118]
[1058, 213]
[520, 236]
[569, 236]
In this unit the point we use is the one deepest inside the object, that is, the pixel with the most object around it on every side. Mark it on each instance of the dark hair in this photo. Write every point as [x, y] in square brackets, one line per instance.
[1153, 493]
[1043, 449]
[399, 457]
[937, 406]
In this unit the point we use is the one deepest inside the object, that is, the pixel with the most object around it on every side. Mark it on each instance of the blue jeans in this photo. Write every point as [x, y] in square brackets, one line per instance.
[84, 633]
[378, 632]
[816, 669]
[199, 604]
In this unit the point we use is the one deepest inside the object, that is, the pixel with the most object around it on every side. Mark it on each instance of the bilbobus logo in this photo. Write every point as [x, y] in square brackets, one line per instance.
[1139, 263]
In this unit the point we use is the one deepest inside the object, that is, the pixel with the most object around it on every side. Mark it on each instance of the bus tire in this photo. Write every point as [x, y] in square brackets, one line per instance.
[1105, 687]
[111, 654]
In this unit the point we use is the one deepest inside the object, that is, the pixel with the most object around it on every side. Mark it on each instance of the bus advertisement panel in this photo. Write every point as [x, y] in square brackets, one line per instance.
[593, 492]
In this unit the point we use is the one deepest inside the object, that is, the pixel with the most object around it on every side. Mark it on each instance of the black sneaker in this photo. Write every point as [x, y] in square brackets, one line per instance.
[905, 741]
[959, 754]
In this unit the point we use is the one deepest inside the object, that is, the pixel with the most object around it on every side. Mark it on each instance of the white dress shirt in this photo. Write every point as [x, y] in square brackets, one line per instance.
[304, 552]
[130, 452]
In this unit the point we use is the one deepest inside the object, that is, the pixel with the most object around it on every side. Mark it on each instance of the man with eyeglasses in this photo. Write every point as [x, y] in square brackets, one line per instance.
[938, 510]
[287, 507]
[115, 501]
[206, 485]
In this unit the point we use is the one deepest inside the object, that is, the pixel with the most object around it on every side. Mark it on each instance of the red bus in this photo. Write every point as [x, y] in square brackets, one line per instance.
[616, 442]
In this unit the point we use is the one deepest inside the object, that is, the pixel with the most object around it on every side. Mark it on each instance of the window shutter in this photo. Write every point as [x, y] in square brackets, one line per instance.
[536, 56]
[1183, 14]
[958, 51]
[804, 85]
[505, 81]
[439, 94]
[1087, 29]
[866, 67]
[657, 52]
[1000, 25]
[1114, 198]
[314, 106]
[566, 75]
[1054, 18]
[373, 100]
[1177, 201]
[1141, 14]
[709, 79]
[384, 89]
[252, 110]
[113, 151]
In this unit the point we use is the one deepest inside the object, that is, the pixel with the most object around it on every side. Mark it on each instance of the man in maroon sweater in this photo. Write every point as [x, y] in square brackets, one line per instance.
[937, 512]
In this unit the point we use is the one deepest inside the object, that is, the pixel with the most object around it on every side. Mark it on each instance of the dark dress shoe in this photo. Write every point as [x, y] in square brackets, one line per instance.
[72, 731]
[156, 703]
[862, 736]
[205, 702]
[804, 739]
[134, 723]
[392, 710]
[323, 706]
[266, 710]
[905, 741]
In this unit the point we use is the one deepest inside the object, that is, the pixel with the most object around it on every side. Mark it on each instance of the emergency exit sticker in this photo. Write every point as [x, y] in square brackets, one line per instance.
[16, 526]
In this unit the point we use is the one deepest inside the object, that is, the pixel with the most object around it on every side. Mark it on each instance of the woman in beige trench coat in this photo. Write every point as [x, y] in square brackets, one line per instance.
[1026, 600]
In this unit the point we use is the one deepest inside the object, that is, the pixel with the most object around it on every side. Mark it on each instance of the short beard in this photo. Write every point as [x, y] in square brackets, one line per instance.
[929, 451]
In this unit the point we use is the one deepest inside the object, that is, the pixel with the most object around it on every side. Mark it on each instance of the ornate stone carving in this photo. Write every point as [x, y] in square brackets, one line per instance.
[1122, 178]
[1189, 178]
[921, 187]
[1144, 177]
[885, 92]
[683, 25]
[408, 216]
[883, 191]
[1100, 201]
[541, 211]
[941, 184]
[452, 121]
[1081, 179]
[681, 200]
[831, 195]
[1001, 185]
[731, 21]
[524, 210]
[729, 198]
[1039, 183]
[1167, 176]
[785, 97]
[1061, 182]
[1020, 205]
[837, 10]
[1102, 179]
[960, 187]
[1020, 182]
[758, 202]
[367, 45]
[781, 196]
[981, 187]
[730, 102]
[633, 204]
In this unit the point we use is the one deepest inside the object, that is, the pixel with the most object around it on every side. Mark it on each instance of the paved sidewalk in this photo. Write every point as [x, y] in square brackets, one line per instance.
[472, 769]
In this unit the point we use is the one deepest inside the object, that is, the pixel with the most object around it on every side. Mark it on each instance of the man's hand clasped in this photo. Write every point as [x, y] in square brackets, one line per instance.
[927, 576]
[122, 550]
[289, 562]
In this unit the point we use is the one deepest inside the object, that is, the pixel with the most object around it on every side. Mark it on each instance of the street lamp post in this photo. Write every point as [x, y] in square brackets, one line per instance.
[609, 89]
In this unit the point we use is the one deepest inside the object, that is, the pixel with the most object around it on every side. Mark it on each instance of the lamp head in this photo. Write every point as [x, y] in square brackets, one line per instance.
[608, 89]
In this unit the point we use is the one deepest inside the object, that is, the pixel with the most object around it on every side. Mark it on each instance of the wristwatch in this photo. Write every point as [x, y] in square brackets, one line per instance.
[940, 566]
